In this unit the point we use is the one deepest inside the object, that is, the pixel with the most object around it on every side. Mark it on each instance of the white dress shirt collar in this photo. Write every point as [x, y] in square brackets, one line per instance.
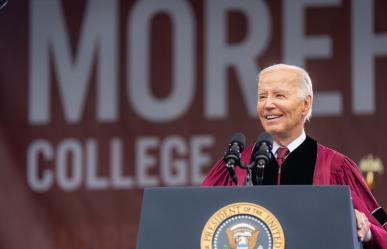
[293, 145]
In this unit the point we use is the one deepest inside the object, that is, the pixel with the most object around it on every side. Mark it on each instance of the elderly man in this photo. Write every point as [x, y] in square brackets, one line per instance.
[285, 98]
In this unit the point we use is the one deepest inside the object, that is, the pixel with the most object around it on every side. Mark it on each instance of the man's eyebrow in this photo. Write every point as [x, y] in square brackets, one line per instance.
[280, 91]
[274, 91]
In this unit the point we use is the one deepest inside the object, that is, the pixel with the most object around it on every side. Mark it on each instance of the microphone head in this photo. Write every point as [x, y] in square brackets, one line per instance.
[267, 138]
[262, 146]
[238, 138]
[261, 156]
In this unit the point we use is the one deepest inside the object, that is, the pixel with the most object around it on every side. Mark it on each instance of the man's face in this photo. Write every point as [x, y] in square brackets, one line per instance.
[280, 107]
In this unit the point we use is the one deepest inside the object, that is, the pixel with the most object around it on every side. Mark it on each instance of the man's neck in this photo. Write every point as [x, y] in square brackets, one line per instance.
[285, 138]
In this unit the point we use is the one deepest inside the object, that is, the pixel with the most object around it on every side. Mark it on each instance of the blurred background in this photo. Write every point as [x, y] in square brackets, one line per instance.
[101, 99]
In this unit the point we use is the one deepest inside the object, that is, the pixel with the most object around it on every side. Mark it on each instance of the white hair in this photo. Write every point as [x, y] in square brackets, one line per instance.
[306, 88]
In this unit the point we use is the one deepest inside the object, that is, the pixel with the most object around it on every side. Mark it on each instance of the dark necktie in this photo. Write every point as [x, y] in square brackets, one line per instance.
[282, 152]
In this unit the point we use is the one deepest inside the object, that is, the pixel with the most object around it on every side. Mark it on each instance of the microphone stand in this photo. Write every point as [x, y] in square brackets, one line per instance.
[231, 171]
[260, 169]
[249, 175]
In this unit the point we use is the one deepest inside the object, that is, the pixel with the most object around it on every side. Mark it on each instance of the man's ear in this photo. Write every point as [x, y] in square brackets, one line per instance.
[307, 104]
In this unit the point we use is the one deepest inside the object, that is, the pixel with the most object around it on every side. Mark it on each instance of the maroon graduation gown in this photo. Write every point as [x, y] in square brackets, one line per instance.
[313, 163]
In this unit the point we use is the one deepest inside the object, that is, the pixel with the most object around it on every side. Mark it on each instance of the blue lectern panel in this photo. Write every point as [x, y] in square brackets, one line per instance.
[311, 217]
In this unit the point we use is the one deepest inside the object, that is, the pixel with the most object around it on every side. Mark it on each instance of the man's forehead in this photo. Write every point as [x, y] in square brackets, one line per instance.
[280, 74]
[279, 80]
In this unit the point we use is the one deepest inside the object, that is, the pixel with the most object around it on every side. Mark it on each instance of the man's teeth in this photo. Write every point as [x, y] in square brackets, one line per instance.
[272, 116]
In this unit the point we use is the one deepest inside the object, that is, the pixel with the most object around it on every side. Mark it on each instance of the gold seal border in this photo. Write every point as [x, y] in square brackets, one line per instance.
[241, 208]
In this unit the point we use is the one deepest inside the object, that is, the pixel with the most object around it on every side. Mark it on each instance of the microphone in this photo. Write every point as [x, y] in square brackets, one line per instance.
[232, 156]
[261, 155]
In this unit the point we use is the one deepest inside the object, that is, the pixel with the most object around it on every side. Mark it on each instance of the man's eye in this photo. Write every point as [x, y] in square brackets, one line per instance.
[261, 97]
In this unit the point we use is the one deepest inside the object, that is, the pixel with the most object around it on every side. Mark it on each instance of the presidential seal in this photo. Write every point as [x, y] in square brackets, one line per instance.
[242, 225]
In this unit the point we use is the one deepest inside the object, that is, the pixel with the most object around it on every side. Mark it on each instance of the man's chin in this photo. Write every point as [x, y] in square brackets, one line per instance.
[272, 130]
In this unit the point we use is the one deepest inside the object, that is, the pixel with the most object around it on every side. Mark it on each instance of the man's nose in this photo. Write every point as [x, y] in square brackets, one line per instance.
[269, 103]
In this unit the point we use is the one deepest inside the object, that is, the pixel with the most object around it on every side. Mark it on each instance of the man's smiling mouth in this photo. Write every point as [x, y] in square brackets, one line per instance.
[271, 117]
